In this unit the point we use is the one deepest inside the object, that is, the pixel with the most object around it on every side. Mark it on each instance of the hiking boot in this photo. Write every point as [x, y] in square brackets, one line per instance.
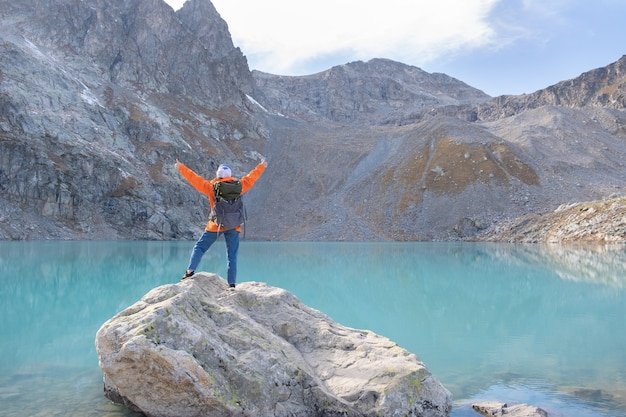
[188, 274]
[232, 287]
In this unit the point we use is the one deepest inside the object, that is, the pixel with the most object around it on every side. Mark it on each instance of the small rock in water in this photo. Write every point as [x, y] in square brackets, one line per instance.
[497, 409]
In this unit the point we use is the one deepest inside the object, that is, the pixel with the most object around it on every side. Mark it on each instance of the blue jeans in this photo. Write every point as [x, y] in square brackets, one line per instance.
[232, 248]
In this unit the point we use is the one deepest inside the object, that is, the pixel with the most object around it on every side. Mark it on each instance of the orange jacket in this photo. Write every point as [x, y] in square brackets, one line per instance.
[206, 186]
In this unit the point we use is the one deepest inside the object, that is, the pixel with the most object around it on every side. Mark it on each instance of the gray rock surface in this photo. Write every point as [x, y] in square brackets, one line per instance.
[197, 349]
[496, 409]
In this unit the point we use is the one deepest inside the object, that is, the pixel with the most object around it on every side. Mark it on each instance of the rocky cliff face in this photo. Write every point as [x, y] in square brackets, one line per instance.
[140, 44]
[98, 99]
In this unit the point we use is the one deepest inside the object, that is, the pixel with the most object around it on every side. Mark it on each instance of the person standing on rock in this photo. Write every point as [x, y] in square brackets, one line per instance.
[213, 230]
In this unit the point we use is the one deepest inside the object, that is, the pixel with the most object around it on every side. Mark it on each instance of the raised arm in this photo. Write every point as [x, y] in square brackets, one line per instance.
[197, 181]
[248, 181]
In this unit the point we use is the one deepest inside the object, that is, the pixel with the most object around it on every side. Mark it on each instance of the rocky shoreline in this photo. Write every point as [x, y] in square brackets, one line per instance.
[589, 222]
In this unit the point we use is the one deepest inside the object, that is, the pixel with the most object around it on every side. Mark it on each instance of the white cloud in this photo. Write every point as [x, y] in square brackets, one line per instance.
[280, 36]
[500, 46]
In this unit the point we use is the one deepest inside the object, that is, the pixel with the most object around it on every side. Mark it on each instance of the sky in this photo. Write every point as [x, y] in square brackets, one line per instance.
[498, 46]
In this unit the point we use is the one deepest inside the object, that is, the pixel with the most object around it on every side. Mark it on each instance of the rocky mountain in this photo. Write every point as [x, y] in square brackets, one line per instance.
[98, 99]
[447, 168]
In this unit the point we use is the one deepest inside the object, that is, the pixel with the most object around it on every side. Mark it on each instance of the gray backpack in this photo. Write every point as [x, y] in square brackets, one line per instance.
[229, 211]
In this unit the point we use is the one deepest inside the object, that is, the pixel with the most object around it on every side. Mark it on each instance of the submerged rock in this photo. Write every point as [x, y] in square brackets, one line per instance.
[197, 349]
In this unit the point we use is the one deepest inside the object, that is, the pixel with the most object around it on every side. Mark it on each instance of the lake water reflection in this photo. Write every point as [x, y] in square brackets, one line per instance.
[516, 323]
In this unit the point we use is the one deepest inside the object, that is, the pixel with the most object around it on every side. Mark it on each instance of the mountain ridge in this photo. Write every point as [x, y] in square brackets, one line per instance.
[364, 92]
[600, 87]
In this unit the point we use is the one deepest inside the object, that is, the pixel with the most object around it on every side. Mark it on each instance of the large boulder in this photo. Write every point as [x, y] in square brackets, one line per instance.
[196, 348]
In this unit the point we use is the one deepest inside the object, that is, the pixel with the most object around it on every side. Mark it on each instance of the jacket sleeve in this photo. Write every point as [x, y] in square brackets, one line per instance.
[248, 181]
[198, 182]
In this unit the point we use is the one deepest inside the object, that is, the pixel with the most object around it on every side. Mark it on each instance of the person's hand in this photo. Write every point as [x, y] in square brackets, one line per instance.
[177, 164]
[264, 162]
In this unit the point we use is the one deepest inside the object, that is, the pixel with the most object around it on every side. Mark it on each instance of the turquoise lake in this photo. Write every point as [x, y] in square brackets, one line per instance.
[537, 324]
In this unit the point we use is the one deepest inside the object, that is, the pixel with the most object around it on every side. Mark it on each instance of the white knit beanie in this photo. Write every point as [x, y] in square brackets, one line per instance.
[223, 171]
